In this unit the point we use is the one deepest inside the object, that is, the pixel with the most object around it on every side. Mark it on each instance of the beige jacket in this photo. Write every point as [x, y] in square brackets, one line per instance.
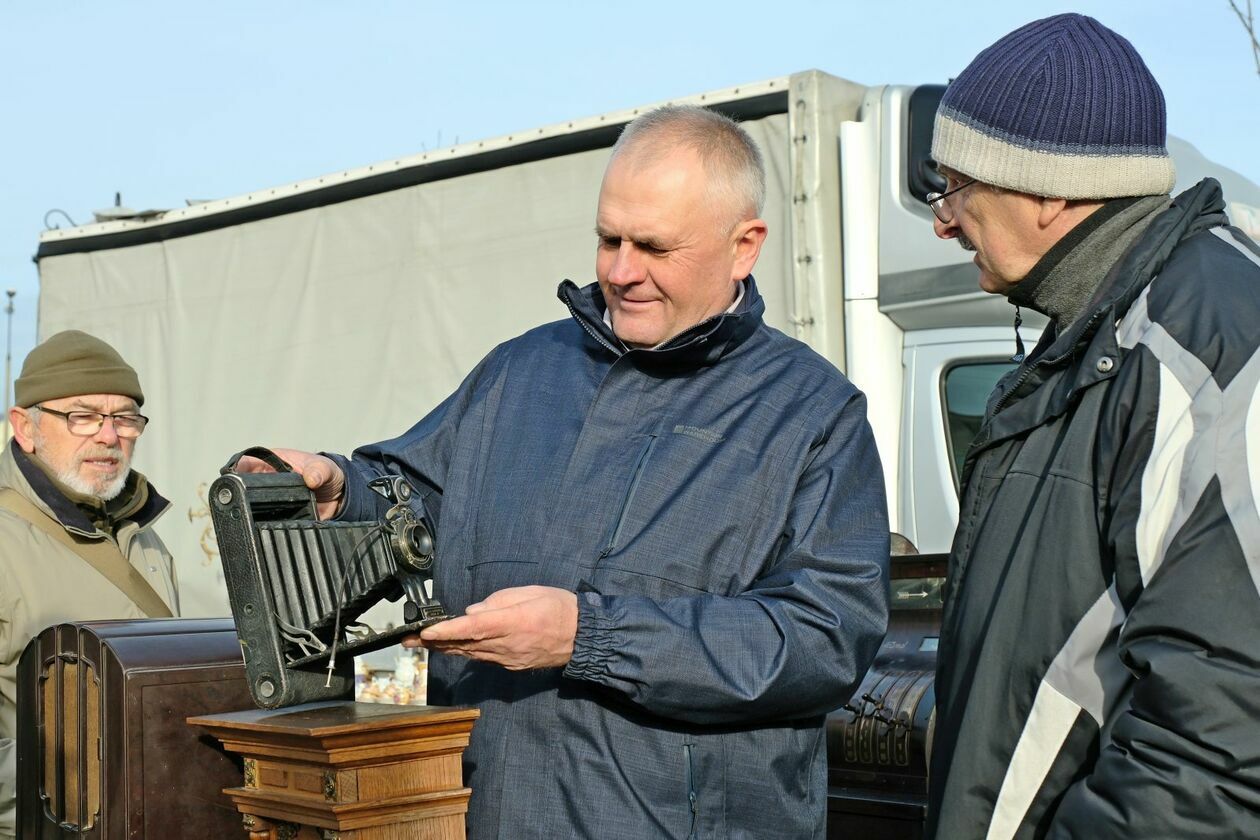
[42, 583]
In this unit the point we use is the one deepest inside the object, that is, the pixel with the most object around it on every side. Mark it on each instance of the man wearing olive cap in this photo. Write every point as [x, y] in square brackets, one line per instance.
[76, 522]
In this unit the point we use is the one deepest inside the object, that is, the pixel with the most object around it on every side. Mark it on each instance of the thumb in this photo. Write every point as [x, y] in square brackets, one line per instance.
[322, 475]
[316, 473]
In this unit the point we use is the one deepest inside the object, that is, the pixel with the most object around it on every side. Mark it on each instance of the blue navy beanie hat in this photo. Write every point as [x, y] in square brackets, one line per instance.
[1062, 107]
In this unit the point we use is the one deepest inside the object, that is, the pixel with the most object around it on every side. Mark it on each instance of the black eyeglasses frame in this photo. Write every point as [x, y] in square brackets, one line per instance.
[936, 201]
[65, 415]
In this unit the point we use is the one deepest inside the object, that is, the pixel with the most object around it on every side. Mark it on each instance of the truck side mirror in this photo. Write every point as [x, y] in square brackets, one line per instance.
[921, 174]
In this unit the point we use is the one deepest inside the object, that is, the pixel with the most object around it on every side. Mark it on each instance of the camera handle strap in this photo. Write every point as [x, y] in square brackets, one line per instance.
[102, 555]
[263, 454]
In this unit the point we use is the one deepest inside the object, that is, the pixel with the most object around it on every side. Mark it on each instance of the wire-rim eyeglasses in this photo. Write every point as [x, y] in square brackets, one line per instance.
[936, 201]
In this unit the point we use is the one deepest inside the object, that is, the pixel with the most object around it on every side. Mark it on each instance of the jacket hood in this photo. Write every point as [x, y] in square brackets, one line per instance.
[701, 345]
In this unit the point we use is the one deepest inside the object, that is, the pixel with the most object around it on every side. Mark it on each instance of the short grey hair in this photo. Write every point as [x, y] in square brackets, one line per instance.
[729, 155]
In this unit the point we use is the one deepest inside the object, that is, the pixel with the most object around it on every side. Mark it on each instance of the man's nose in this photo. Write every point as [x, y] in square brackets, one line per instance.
[106, 434]
[628, 265]
[945, 230]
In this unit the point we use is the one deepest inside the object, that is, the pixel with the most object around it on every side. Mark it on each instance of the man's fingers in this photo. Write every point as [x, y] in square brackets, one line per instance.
[518, 628]
[506, 598]
[489, 624]
[250, 464]
[319, 473]
[464, 628]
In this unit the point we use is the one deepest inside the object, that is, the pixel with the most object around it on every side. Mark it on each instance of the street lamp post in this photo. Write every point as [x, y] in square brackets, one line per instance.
[8, 357]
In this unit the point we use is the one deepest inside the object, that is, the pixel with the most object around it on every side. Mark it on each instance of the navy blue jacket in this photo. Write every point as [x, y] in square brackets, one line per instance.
[718, 504]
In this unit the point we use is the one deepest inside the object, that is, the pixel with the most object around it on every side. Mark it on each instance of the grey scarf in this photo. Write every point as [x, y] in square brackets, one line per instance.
[1063, 281]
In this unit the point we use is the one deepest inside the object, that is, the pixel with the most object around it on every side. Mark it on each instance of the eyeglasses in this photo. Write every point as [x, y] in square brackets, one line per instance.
[87, 423]
[942, 210]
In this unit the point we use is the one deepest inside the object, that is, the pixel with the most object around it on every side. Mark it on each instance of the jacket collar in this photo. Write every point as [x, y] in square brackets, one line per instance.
[1199, 208]
[47, 494]
[1061, 367]
[701, 345]
[1059, 286]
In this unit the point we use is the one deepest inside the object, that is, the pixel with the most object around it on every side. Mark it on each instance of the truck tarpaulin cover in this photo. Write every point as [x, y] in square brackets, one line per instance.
[343, 324]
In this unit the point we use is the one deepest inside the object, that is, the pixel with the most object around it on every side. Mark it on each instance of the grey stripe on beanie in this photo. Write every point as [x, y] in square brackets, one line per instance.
[71, 364]
[1061, 107]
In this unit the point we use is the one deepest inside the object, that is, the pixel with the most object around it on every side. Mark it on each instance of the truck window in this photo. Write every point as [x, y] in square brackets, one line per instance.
[967, 387]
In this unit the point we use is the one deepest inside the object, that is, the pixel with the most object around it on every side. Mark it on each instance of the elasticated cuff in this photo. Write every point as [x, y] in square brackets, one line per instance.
[593, 644]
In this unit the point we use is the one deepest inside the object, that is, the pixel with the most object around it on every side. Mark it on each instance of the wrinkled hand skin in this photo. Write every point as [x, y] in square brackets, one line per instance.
[521, 628]
[320, 474]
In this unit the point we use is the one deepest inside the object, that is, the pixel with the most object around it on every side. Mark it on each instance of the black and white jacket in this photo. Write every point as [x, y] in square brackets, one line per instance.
[1099, 674]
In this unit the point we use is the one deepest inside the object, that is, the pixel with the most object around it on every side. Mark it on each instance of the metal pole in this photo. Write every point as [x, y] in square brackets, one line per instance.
[8, 357]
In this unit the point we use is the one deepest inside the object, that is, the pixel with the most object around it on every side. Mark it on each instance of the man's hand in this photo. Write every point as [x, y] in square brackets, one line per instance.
[321, 474]
[520, 628]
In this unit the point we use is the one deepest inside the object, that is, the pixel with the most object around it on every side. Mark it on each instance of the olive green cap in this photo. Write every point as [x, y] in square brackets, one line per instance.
[73, 363]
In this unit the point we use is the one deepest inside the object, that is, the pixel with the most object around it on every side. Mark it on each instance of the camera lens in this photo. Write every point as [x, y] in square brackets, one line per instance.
[417, 547]
[419, 540]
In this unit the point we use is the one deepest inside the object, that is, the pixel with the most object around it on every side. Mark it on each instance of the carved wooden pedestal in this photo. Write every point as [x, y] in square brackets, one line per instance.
[349, 771]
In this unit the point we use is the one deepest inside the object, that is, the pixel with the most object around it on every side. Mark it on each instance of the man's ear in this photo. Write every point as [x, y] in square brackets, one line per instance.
[747, 239]
[1051, 209]
[23, 426]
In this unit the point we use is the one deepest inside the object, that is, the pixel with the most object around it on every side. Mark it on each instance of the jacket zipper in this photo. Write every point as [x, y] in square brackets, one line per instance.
[631, 489]
[677, 341]
[1023, 377]
[691, 790]
[591, 332]
[949, 618]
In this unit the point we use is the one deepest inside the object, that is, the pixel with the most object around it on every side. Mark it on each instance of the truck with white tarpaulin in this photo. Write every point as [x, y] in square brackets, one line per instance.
[339, 309]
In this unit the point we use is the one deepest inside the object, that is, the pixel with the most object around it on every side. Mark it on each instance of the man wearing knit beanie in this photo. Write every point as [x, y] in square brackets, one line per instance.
[76, 522]
[1099, 665]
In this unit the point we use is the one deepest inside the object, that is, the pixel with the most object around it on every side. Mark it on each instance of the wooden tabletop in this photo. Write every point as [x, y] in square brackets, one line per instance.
[334, 717]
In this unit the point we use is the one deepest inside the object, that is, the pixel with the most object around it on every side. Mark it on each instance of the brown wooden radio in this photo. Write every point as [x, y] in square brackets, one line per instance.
[103, 750]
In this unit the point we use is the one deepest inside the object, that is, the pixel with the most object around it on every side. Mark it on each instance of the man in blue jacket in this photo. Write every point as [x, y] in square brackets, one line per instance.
[663, 521]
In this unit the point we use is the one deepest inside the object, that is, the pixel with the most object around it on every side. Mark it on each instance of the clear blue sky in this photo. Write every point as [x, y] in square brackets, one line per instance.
[165, 101]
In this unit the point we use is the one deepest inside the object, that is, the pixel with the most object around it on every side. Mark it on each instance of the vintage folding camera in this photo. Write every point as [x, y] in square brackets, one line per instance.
[298, 586]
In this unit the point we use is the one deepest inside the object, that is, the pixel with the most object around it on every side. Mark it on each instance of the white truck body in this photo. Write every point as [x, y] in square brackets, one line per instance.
[340, 309]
